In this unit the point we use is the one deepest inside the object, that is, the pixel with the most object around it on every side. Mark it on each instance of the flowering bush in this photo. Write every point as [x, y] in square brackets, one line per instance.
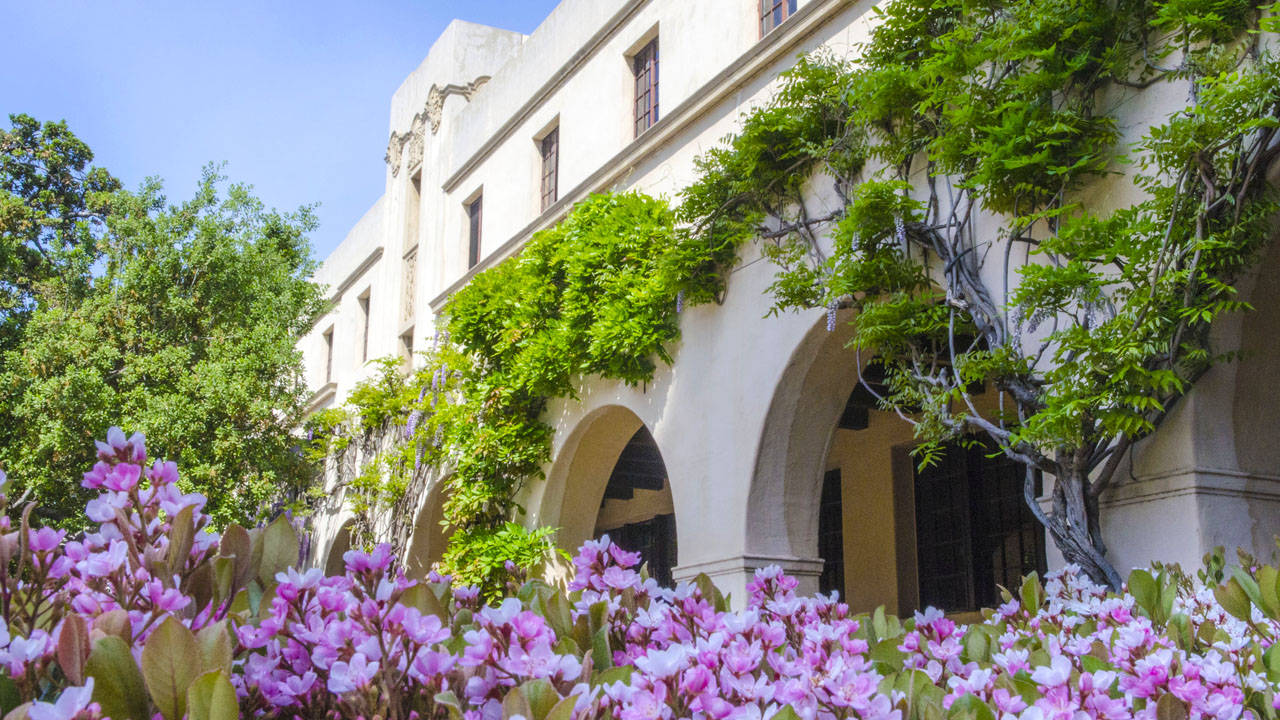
[155, 616]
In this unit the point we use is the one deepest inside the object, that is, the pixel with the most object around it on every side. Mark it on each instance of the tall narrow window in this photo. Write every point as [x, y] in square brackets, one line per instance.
[364, 327]
[773, 13]
[831, 534]
[406, 347]
[413, 205]
[474, 212]
[409, 285]
[550, 150]
[645, 67]
[328, 356]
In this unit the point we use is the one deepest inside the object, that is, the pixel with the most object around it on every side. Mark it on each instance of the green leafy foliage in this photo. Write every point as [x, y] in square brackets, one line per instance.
[962, 145]
[187, 330]
[595, 295]
[52, 210]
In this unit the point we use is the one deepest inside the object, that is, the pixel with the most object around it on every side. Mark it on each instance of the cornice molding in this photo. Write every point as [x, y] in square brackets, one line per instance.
[414, 139]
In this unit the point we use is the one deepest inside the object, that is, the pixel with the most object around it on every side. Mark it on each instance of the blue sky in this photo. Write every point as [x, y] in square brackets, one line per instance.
[293, 96]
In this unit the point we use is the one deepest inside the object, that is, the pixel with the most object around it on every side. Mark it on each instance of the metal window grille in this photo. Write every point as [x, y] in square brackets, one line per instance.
[773, 13]
[973, 529]
[645, 66]
[474, 212]
[550, 147]
[655, 540]
[831, 534]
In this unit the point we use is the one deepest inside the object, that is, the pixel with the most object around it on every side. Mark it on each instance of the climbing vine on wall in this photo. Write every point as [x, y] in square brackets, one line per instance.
[948, 185]
[597, 295]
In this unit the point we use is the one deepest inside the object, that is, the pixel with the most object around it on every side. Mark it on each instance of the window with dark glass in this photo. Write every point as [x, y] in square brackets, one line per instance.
[831, 534]
[364, 327]
[773, 13]
[974, 531]
[549, 147]
[328, 356]
[406, 347]
[474, 211]
[645, 66]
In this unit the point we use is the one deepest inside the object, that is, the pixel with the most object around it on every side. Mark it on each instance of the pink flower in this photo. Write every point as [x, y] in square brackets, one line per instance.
[69, 704]
[45, 539]
[351, 675]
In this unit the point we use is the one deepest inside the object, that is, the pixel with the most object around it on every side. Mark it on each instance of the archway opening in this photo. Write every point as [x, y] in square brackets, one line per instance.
[637, 511]
[838, 474]
[430, 533]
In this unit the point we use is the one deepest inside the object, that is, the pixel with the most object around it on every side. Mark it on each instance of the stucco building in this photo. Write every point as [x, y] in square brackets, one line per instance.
[754, 446]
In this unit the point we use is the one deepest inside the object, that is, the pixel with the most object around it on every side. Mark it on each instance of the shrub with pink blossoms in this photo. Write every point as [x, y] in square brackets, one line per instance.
[153, 615]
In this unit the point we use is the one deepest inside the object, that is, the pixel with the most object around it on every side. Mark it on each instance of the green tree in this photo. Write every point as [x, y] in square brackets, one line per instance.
[937, 185]
[186, 331]
[52, 206]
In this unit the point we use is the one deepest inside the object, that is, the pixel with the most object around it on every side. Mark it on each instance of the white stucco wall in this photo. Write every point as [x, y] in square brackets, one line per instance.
[744, 415]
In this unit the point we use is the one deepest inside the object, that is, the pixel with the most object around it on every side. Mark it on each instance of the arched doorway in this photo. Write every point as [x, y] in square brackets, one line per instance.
[837, 474]
[430, 536]
[610, 478]
[636, 511]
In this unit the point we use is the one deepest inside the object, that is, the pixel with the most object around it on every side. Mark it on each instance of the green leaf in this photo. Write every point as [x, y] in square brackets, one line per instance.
[1169, 707]
[10, 698]
[601, 654]
[1032, 594]
[170, 662]
[450, 702]
[212, 697]
[279, 549]
[563, 710]
[1145, 591]
[117, 684]
[1233, 599]
[541, 696]
[182, 534]
[515, 704]
[215, 647]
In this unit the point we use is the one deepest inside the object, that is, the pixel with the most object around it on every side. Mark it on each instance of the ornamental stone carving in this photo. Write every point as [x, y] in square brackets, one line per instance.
[414, 139]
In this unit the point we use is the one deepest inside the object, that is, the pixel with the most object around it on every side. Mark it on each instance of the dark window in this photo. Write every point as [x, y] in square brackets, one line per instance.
[655, 540]
[773, 13]
[550, 148]
[974, 531]
[645, 66]
[328, 356]
[640, 467]
[474, 211]
[831, 534]
[364, 328]
[406, 347]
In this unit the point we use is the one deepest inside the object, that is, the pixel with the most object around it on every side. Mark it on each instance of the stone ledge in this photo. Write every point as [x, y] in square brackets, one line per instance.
[748, 564]
[1179, 482]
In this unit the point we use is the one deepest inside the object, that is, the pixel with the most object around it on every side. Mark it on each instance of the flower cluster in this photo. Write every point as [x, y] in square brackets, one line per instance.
[154, 615]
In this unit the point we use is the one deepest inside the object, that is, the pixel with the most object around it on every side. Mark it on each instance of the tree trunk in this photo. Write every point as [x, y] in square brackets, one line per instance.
[1073, 523]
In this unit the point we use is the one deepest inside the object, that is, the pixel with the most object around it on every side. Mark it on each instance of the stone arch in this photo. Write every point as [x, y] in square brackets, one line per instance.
[334, 564]
[430, 536]
[828, 461]
[783, 503]
[587, 492]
